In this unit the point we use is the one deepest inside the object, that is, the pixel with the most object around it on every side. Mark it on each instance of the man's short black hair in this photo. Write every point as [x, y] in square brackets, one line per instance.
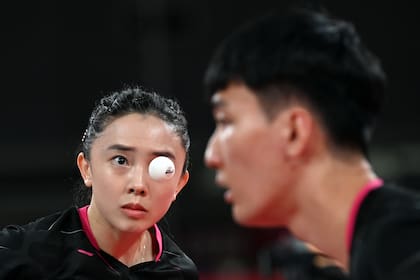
[313, 56]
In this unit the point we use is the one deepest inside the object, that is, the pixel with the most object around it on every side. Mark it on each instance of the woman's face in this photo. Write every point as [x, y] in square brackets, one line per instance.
[124, 196]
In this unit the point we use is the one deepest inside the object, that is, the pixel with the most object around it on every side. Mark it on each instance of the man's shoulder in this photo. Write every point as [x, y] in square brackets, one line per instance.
[386, 242]
[390, 202]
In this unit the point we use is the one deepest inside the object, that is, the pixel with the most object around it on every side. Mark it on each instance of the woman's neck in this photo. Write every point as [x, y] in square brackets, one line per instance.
[136, 251]
[130, 248]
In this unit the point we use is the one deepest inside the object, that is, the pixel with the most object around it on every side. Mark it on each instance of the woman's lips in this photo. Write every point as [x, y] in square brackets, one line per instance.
[134, 210]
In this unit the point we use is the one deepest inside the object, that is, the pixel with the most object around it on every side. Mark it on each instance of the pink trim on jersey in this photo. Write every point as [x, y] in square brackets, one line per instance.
[371, 185]
[159, 241]
[86, 226]
[85, 252]
[87, 229]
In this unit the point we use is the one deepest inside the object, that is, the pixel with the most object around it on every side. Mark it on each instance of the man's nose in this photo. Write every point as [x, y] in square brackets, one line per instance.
[211, 156]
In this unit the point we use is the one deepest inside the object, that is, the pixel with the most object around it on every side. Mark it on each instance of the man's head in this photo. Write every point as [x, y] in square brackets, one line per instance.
[271, 82]
[309, 56]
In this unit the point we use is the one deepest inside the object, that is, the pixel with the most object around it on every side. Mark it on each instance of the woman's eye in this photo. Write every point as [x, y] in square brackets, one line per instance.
[120, 160]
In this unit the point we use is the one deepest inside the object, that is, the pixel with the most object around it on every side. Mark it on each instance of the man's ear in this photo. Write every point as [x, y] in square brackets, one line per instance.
[84, 168]
[299, 125]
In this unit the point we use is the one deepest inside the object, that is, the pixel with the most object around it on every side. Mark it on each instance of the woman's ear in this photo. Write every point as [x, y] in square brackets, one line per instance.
[84, 168]
[182, 182]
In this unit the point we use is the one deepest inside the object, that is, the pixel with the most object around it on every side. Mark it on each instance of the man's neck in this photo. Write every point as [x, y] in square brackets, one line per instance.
[326, 194]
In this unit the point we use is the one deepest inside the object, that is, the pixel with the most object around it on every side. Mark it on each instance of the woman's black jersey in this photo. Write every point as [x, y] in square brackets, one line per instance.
[59, 247]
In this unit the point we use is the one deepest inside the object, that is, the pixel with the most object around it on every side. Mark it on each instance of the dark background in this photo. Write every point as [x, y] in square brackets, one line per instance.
[59, 56]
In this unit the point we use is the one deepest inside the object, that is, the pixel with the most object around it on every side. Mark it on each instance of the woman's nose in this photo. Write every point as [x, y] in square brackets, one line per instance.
[138, 184]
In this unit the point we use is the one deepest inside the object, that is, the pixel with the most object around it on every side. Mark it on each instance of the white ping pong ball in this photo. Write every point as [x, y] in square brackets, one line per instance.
[161, 168]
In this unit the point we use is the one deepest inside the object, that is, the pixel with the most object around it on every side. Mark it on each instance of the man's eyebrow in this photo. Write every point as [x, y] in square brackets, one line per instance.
[217, 102]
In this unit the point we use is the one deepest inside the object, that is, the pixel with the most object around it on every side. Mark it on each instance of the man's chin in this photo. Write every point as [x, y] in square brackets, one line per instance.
[244, 219]
[247, 220]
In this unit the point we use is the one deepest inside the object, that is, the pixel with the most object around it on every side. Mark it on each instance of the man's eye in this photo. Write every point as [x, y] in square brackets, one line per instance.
[120, 160]
[221, 122]
[221, 118]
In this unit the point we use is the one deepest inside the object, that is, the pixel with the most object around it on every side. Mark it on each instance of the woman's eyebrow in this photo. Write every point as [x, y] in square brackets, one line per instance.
[120, 147]
[164, 153]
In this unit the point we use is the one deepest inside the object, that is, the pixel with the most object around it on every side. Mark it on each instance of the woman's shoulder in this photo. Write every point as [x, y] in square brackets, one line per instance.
[67, 219]
[41, 246]
[174, 255]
